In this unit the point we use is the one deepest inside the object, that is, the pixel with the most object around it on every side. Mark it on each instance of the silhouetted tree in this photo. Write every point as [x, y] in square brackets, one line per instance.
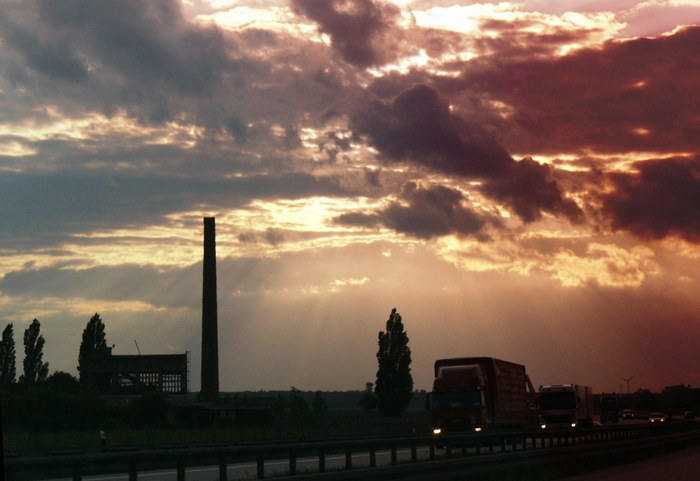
[278, 407]
[319, 407]
[62, 382]
[394, 384]
[299, 411]
[35, 369]
[8, 367]
[676, 399]
[93, 343]
[368, 400]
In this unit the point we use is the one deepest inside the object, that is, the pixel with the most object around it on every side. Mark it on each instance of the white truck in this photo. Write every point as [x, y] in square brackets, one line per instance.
[565, 406]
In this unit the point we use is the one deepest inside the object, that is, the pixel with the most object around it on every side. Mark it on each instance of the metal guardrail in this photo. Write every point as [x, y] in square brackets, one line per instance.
[472, 452]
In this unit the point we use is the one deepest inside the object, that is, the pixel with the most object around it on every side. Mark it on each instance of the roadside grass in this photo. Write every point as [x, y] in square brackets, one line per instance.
[16, 440]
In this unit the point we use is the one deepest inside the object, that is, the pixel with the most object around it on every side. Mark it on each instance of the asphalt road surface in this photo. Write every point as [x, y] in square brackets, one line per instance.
[248, 471]
[682, 465]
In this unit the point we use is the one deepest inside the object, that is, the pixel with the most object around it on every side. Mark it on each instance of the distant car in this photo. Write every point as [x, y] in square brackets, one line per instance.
[657, 418]
[627, 414]
[689, 416]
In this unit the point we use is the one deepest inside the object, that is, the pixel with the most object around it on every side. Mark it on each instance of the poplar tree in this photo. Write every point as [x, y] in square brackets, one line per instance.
[35, 369]
[94, 342]
[394, 384]
[8, 366]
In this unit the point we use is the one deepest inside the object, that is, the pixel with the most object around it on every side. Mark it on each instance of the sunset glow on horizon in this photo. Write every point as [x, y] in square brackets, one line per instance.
[520, 180]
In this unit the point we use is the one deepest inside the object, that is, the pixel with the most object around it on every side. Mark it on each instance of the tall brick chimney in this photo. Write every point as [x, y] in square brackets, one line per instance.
[210, 342]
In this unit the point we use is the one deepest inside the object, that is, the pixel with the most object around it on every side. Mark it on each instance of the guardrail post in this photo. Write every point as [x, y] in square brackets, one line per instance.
[260, 465]
[223, 475]
[133, 474]
[393, 455]
[322, 460]
[292, 462]
[77, 474]
[414, 453]
[348, 457]
[432, 451]
[372, 457]
[180, 469]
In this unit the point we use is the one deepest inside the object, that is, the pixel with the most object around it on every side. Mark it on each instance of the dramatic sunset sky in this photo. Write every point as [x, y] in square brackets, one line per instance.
[520, 180]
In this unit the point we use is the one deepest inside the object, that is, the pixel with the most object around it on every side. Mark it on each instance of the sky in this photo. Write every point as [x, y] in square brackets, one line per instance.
[519, 180]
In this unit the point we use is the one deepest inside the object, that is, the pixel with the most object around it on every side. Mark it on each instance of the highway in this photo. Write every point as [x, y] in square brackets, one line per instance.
[278, 465]
[248, 471]
[679, 466]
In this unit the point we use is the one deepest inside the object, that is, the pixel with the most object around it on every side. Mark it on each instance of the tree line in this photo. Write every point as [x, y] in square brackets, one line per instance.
[389, 394]
[33, 401]
[34, 369]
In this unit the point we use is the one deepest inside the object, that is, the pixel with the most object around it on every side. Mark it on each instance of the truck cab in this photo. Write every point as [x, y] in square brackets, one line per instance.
[565, 406]
[458, 400]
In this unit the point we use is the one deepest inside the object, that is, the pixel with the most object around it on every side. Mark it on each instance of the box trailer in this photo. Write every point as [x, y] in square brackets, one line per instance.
[477, 393]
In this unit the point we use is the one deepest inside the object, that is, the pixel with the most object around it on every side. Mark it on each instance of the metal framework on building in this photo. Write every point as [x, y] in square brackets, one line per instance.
[133, 374]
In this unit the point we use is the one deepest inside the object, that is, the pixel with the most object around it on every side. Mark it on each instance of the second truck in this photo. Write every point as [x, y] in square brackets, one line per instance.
[565, 406]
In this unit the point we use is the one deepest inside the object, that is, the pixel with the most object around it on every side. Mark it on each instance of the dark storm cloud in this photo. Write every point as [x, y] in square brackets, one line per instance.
[424, 213]
[146, 61]
[530, 189]
[147, 40]
[355, 26]
[633, 95]
[418, 126]
[661, 200]
[142, 58]
[51, 56]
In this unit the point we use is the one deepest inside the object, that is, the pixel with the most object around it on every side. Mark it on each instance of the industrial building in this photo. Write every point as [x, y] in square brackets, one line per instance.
[135, 374]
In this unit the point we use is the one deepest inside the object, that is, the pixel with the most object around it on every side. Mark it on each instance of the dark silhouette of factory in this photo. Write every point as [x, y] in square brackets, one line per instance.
[136, 373]
[168, 373]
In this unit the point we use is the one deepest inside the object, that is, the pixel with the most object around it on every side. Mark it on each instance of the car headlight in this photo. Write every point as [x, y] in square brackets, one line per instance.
[437, 431]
